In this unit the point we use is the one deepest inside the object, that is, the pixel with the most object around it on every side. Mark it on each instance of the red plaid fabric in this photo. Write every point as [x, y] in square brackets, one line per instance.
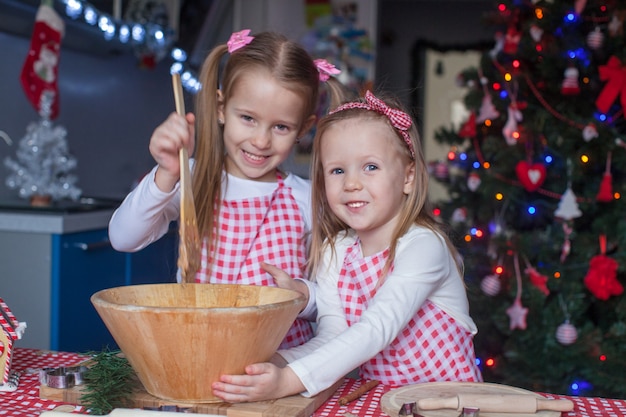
[432, 347]
[263, 229]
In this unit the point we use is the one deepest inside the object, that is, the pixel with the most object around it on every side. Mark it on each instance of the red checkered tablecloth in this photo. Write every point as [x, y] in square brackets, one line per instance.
[25, 402]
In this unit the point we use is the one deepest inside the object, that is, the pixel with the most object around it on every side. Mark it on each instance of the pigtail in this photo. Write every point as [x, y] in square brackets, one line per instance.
[209, 149]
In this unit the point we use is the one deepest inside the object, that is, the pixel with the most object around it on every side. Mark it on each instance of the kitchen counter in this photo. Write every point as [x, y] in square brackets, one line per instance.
[59, 218]
[56, 257]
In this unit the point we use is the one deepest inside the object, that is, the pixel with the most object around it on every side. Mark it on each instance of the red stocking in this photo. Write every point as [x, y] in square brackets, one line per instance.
[39, 73]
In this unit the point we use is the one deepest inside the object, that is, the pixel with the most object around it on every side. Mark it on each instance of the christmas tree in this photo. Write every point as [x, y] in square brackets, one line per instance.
[42, 171]
[536, 196]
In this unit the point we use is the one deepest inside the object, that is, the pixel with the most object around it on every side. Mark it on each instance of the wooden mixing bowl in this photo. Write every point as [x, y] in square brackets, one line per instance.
[180, 338]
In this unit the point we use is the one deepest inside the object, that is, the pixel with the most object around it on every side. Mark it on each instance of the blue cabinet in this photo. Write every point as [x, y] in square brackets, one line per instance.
[84, 263]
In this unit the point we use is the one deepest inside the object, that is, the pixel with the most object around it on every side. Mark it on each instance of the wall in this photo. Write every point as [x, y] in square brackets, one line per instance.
[108, 105]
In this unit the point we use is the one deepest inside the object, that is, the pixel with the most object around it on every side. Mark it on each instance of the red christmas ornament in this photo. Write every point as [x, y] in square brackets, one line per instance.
[537, 279]
[511, 40]
[615, 75]
[601, 278]
[468, 130]
[531, 176]
[605, 194]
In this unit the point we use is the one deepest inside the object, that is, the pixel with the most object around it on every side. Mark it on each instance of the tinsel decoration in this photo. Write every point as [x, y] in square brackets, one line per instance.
[601, 279]
[43, 162]
[605, 193]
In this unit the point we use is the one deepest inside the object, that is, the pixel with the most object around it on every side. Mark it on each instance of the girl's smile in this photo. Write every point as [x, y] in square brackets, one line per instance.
[366, 182]
[262, 120]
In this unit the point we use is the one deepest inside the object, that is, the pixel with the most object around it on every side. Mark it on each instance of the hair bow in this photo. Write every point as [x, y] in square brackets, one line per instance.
[238, 40]
[399, 120]
[326, 69]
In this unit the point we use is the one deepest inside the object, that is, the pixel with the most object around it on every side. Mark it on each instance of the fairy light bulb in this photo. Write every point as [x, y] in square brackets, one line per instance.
[499, 196]
[486, 165]
[490, 362]
[502, 7]
[516, 64]
[508, 77]
[584, 158]
[539, 13]
[617, 196]
[557, 275]
[496, 86]
[487, 122]
[451, 155]
[602, 358]
[498, 269]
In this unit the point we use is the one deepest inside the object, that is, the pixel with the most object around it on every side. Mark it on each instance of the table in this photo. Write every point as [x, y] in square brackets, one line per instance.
[25, 402]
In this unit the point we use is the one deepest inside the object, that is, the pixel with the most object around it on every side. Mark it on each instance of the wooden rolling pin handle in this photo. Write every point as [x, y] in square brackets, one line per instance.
[509, 403]
[554, 405]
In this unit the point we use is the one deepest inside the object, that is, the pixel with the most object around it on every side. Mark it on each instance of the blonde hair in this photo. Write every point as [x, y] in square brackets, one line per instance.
[415, 209]
[284, 60]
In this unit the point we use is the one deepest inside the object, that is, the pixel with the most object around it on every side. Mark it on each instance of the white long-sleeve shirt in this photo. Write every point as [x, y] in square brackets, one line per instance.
[423, 269]
[146, 213]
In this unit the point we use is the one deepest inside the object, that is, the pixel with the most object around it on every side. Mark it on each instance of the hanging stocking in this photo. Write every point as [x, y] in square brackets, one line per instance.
[487, 110]
[601, 278]
[509, 131]
[537, 279]
[605, 194]
[39, 73]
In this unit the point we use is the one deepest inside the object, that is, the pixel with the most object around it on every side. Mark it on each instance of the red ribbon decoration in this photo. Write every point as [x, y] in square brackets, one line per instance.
[615, 75]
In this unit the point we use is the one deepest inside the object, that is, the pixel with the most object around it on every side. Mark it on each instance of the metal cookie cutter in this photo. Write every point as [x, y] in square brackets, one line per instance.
[64, 377]
[58, 378]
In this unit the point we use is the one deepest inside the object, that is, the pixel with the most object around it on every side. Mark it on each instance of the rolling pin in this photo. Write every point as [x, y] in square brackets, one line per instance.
[496, 403]
[129, 412]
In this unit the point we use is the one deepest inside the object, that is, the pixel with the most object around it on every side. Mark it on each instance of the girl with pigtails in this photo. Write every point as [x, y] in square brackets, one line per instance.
[250, 213]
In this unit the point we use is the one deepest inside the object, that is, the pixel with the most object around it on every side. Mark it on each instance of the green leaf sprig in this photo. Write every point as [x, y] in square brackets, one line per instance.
[109, 382]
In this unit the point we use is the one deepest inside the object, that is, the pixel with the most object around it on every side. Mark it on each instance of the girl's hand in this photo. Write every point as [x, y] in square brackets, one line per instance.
[166, 141]
[283, 280]
[263, 381]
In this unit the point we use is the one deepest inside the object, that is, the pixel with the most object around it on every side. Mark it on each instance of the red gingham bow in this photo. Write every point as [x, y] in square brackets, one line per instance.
[399, 119]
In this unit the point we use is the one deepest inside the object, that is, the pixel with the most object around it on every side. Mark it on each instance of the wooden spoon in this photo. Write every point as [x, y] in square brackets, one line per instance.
[189, 237]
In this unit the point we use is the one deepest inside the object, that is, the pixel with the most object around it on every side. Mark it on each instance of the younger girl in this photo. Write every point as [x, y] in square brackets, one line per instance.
[248, 121]
[391, 299]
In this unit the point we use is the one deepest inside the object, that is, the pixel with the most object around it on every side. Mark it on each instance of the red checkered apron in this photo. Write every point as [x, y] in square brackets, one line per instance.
[432, 347]
[261, 229]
